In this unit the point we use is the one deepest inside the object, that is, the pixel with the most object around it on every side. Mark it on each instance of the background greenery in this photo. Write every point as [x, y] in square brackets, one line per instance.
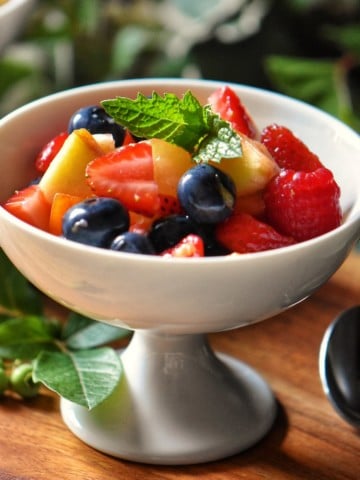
[309, 49]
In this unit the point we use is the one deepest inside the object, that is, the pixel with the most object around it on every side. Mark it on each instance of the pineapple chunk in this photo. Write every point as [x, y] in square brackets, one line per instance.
[251, 172]
[66, 173]
[170, 163]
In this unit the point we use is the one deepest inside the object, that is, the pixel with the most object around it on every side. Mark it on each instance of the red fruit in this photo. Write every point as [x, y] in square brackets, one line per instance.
[190, 246]
[30, 205]
[243, 233]
[143, 176]
[49, 151]
[287, 150]
[303, 204]
[228, 105]
[128, 175]
[128, 138]
[169, 206]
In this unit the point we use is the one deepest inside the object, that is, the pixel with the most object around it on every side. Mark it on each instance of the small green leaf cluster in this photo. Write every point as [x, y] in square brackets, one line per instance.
[72, 358]
[182, 121]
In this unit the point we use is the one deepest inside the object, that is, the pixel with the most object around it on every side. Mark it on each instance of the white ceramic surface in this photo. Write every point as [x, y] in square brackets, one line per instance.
[13, 15]
[166, 300]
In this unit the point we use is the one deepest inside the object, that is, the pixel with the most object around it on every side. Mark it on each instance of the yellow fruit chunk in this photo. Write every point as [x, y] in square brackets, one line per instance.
[170, 163]
[66, 173]
[105, 141]
[251, 172]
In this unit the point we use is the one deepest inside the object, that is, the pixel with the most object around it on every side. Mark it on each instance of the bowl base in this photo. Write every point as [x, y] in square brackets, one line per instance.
[177, 403]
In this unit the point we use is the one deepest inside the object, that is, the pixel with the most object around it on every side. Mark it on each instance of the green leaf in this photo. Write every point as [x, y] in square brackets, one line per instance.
[25, 338]
[12, 72]
[181, 121]
[17, 295]
[346, 37]
[82, 333]
[88, 14]
[224, 143]
[84, 377]
[128, 43]
[319, 82]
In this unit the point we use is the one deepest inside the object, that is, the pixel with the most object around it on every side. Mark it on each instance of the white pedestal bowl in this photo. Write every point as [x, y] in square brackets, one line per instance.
[178, 401]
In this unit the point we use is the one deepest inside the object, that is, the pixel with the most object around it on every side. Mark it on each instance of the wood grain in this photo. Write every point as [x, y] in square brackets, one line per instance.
[308, 441]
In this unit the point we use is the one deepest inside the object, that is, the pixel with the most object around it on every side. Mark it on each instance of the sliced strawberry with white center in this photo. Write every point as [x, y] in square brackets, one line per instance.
[228, 105]
[131, 174]
[128, 175]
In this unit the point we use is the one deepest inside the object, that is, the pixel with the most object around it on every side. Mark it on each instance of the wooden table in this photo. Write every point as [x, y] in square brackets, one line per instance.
[308, 441]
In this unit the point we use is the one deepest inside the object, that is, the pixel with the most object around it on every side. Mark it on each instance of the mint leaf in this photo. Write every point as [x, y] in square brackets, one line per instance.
[85, 377]
[180, 121]
[184, 122]
[81, 332]
[26, 337]
[223, 142]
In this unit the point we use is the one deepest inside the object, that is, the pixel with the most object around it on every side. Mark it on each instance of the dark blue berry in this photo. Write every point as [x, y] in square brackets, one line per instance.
[132, 242]
[168, 231]
[212, 247]
[94, 119]
[206, 194]
[95, 221]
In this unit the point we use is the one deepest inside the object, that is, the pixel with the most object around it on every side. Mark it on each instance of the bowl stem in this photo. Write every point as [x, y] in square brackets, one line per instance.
[177, 403]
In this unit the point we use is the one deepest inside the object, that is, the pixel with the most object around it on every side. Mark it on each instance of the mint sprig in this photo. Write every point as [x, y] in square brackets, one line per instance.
[71, 357]
[182, 121]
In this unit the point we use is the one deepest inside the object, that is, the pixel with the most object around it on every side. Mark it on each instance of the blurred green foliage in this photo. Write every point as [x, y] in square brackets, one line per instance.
[309, 49]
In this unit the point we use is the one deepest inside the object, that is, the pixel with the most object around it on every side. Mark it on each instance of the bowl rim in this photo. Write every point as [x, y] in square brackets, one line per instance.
[146, 82]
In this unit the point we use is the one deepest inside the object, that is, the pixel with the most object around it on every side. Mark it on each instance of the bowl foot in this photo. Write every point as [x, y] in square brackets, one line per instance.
[177, 403]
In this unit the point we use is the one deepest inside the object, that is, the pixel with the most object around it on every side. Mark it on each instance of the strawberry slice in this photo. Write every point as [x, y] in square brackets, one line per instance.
[303, 205]
[243, 233]
[49, 152]
[169, 205]
[287, 150]
[127, 174]
[228, 105]
[190, 246]
[31, 206]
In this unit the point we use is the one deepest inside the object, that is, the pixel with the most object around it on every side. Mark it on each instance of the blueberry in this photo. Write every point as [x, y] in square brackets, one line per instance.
[94, 119]
[211, 245]
[206, 194]
[132, 242]
[168, 231]
[95, 221]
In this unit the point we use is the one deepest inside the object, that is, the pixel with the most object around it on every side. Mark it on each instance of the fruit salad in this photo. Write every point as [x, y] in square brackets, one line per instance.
[168, 176]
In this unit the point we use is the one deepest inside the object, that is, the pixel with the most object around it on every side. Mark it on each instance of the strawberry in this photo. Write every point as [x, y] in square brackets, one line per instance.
[243, 233]
[127, 174]
[287, 150]
[128, 138]
[190, 246]
[49, 151]
[31, 206]
[228, 105]
[143, 176]
[169, 205]
[303, 204]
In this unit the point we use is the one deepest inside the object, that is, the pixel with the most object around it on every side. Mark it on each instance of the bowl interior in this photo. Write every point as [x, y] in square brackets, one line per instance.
[184, 296]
